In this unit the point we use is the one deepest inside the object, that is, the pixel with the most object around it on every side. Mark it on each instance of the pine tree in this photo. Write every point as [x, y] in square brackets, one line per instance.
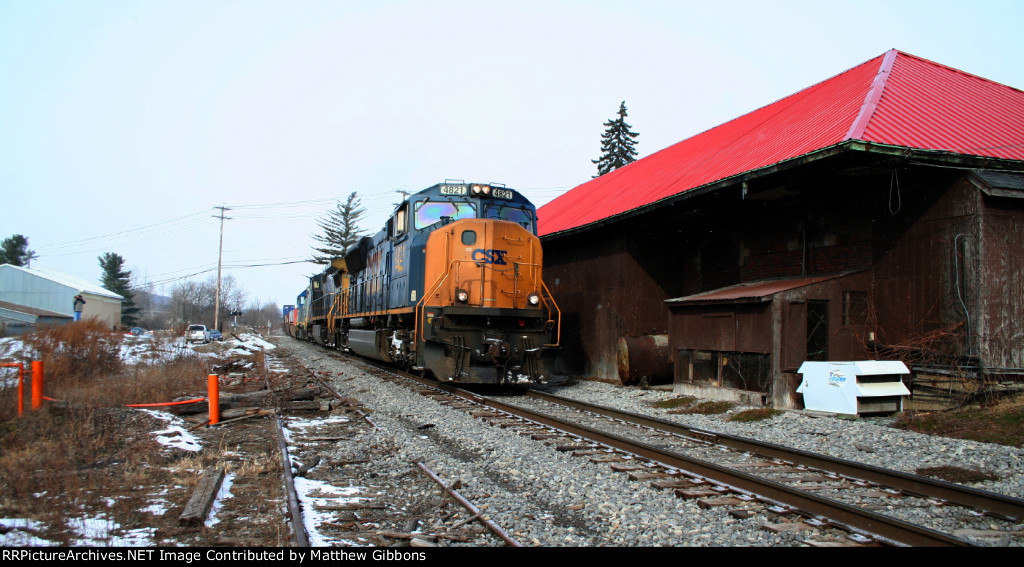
[118, 280]
[341, 230]
[14, 251]
[616, 144]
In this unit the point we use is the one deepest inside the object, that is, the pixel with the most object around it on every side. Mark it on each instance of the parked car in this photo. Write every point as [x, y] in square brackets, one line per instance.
[137, 331]
[216, 335]
[197, 334]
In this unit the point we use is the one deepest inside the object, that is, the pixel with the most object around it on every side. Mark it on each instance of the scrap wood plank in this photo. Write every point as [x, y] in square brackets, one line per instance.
[675, 483]
[646, 475]
[574, 447]
[628, 468]
[690, 494]
[606, 458]
[787, 527]
[707, 503]
[202, 499]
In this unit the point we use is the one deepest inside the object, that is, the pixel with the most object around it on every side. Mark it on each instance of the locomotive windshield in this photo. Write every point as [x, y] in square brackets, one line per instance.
[430, 212]
[509, 213]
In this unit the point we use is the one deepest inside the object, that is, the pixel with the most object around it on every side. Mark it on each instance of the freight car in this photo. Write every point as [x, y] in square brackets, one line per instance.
[451, 286]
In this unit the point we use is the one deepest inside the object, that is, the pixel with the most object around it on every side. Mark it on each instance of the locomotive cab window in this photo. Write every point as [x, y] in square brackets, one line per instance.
[431, 212]
[398, 223]
[517, 215]
[469, 237]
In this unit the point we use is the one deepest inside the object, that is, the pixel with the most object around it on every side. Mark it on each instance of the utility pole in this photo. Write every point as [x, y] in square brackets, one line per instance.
[220, 258]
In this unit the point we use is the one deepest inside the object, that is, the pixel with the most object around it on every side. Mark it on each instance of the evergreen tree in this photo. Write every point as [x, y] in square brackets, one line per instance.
[118, 280]
[14, 251]
[616, 144]
[341, 230]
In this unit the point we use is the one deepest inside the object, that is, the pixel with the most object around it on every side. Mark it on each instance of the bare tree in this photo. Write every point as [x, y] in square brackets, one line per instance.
[192, 302]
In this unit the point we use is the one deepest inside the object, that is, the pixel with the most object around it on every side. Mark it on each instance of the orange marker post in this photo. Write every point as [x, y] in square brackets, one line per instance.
[37, 384]
[213, 393]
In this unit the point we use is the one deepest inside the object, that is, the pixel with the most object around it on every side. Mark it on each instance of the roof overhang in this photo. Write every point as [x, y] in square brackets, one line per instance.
[758, 291]
[924, 157]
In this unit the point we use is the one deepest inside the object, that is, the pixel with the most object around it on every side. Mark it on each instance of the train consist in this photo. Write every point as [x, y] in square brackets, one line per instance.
[451, 285]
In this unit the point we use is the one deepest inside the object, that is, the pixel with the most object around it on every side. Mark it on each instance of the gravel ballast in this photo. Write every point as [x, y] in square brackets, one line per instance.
[544, 497]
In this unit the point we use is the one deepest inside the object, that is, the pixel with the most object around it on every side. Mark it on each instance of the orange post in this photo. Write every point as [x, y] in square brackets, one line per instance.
[37, 384]
[213, 393]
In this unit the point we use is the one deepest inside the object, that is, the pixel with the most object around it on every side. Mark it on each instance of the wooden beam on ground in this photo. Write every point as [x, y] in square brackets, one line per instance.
[202, 499]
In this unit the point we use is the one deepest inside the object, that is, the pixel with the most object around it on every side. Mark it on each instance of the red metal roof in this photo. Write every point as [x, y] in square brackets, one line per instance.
[896, 99]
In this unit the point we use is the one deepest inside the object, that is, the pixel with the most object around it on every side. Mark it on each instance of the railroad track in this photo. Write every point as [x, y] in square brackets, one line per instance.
[335, 497]
[835, 501]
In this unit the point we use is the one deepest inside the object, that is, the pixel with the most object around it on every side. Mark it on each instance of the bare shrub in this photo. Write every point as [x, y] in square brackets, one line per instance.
[74, 355]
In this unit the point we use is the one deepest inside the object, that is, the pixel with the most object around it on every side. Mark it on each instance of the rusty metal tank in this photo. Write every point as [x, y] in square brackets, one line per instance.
[645, 357]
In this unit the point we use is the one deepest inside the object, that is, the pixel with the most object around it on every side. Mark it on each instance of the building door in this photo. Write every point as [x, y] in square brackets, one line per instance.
[817, 329]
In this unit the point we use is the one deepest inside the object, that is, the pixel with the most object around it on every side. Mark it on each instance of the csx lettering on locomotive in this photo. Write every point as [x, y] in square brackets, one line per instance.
[496, 257]
[448, 302]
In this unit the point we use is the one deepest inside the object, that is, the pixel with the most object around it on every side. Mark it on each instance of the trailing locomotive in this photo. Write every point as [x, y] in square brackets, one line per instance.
[451, 285]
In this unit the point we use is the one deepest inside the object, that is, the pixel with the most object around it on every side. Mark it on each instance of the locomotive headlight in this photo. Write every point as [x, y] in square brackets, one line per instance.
[461, 295]
[534, 299]
[481, 190]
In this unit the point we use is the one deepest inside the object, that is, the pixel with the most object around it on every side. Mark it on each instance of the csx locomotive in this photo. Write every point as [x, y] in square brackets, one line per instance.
[452, 285]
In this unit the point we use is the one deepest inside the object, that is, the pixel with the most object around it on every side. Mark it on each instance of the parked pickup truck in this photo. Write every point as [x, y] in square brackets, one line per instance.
[197, 334]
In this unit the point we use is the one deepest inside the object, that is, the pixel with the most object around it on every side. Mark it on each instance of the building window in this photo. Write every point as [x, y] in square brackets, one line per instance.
[855, 307]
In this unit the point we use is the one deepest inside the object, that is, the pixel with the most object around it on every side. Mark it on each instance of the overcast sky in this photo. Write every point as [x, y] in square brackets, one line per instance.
[123, 124]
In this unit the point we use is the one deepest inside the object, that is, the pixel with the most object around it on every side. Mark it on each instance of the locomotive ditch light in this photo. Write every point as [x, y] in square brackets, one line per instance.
[534, 299]
[461, 295]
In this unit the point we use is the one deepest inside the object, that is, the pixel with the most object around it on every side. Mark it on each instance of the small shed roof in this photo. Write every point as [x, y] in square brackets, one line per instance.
[750, 292]
[1000, 183]
[895, 99]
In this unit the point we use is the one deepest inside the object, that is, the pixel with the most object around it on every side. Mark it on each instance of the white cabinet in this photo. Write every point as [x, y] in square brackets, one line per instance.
[854, 388]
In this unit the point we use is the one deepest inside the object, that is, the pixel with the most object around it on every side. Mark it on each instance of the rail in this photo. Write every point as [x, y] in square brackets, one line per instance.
[299, 536]
[851, 518]
[1003, 506]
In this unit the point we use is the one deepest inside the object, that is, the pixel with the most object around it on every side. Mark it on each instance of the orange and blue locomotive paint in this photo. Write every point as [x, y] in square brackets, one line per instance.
[452, 285]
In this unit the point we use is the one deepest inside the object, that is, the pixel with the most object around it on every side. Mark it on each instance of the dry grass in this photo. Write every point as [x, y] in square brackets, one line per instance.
[999, 422]
[82, 367]
[673, 403]
[709, 407]
[86, 453]
[758, 414]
